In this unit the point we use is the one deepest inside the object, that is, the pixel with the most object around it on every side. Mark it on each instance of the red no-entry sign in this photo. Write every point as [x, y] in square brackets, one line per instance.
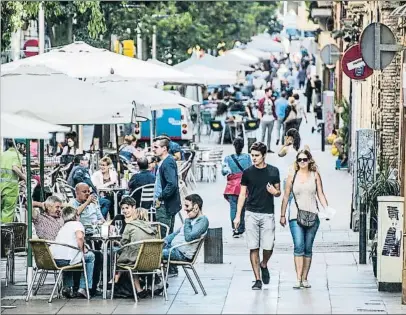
[354, 66]
[31, 47]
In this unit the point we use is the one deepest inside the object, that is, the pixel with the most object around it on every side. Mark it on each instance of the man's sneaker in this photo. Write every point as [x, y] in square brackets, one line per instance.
[236, 234]
[306, 284]
[265, 275]
[257, 285]
[173, 271]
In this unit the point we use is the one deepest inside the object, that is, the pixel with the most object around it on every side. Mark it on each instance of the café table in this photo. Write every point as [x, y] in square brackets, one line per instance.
[115, 191]
[106, 242]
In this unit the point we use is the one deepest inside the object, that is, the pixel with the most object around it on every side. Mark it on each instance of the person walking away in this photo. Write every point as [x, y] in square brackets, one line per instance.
[306, 186]
[290, 116]
[233, 167]
[317, 87]
[267, 114]
[10, 173]
[262, 183]
[300, 111]
[309, 93]
[301, 77]
[280, 106]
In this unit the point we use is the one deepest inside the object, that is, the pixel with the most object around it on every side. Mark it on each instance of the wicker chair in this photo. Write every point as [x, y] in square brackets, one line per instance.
[7, 241]
[17, 245]
[46, 263]
[187, 264]
[149, 261]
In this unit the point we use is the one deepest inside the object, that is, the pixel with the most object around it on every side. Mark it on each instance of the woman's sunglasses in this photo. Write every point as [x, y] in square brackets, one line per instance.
[304, 160]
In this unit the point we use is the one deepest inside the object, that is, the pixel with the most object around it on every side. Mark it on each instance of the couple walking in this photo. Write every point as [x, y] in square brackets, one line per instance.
[260, 184]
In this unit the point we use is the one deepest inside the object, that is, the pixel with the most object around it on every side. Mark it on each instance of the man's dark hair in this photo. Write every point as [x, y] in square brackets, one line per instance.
[260, 147]
[9, 143]
[296, 96]
[142, 163]
[195, 199]
[129, 201]
[283, 94]
[268, 89]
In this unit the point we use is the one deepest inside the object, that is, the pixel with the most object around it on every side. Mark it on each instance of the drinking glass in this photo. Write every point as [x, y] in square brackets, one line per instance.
[118, 224]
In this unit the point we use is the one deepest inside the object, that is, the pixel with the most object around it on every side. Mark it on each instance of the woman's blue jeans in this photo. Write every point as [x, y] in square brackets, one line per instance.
[68, 275]
[233, 201]
[303, 238]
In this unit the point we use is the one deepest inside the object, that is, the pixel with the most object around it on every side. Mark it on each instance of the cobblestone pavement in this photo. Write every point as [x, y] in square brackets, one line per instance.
[339, 284]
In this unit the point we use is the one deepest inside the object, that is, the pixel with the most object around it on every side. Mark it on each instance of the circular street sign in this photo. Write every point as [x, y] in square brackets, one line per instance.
[330, 54]
[31, 47]
[353, 65]
[378, 46]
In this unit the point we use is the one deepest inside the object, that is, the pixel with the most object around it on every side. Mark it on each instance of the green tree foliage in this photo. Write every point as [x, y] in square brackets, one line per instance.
[180, 24]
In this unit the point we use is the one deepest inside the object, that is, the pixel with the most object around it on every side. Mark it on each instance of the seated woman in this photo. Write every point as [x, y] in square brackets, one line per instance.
[73, 233]
[137, 228]
[105, 177]
[128, 150]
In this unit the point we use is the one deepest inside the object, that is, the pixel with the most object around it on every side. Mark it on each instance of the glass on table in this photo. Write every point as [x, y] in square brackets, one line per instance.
[119, 225]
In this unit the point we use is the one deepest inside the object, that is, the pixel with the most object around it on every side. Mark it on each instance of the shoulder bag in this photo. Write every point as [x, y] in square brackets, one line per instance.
[305, 219]
[237, 163]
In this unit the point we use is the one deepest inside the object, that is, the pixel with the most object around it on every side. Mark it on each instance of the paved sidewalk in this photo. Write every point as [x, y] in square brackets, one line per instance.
[339, 284]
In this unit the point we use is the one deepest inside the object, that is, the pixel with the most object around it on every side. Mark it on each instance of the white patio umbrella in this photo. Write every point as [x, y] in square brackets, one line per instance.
[22, 126]
[257, 53]
[80, 60]
[142, 95]
[266, 45]
[206, 60]
[59, 99]
[211, 75]
[242, 56]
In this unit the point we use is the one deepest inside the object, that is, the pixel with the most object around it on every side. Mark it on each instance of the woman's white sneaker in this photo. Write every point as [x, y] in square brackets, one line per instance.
[298, 285]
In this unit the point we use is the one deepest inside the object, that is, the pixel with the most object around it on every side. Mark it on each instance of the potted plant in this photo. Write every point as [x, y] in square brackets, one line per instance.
[385, 184]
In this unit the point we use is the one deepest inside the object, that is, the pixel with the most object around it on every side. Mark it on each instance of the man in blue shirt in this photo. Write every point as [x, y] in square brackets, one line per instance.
[144, 177]
[280, 107]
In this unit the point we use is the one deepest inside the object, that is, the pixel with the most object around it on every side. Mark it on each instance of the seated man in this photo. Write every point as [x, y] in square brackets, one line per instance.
[85, 204]
[194, 227]
[73, 233]
[48, 223]
[144, 177]
[89, 213]
[80, 173]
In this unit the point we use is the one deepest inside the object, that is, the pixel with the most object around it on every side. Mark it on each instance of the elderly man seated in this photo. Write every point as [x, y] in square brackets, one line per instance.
[144, 177]
[48, 223]
[194, 227]
[73, 233]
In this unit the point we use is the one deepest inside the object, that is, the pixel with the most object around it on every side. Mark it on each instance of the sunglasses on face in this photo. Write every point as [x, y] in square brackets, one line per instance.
[304, 160]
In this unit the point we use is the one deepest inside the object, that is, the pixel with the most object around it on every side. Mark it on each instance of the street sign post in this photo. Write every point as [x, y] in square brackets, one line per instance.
[353, 64]
[330, 54]
[378, 46]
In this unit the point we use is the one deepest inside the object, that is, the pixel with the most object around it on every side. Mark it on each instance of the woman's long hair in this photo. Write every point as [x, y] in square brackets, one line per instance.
[312, 164]
[292, 132]
[238, 145]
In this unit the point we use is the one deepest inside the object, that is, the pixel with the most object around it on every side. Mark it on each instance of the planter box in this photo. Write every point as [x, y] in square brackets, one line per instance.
[390, 245]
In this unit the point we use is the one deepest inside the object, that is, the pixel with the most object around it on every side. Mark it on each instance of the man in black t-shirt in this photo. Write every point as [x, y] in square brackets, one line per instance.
[262, 183]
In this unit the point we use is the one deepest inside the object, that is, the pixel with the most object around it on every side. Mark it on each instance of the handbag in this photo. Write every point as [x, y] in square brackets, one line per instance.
[233, 186]
[305, 219]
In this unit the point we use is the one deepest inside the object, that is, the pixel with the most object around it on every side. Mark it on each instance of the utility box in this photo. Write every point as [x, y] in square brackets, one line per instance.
[390, 245]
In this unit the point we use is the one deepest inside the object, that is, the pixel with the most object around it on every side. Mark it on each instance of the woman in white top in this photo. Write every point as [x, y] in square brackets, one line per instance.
[106, 176]
[73, 233]
[306, 186]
